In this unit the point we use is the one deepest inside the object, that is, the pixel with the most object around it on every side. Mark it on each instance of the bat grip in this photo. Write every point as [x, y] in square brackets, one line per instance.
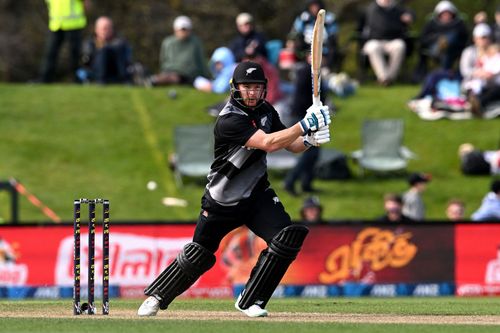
[316, 100]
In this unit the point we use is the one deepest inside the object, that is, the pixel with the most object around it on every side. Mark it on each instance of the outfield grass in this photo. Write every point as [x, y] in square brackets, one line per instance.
[305, 315]
[65, 142]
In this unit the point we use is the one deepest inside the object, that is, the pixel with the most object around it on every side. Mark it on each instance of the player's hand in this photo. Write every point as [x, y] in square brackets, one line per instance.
[317, 138]
[317, 116]
[322, 135]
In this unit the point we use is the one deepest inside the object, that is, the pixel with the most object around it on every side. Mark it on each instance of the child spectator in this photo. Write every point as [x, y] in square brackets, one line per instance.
[311, 211]
[455, 210]
[393, 204]
[222, 66]
[413, 205]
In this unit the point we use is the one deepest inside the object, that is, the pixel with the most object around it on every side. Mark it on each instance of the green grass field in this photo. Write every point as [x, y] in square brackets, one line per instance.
[407, 315]
[66, 141]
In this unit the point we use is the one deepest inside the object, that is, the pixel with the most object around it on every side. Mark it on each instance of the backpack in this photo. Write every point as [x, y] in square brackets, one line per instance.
[332, 164]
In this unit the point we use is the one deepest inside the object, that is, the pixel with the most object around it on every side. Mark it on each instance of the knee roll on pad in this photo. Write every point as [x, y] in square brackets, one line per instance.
[272, 265]
[188, 266]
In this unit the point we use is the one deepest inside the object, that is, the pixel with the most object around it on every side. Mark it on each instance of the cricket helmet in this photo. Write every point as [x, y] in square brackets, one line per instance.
[248, 72]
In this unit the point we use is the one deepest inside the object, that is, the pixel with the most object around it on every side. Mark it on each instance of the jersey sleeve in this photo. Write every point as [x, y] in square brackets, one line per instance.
[235, 129]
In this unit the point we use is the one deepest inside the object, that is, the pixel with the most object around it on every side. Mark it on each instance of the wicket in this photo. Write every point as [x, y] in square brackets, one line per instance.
[79, 308]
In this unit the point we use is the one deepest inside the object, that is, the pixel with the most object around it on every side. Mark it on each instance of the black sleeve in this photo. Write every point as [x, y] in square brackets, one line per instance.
[234, 129]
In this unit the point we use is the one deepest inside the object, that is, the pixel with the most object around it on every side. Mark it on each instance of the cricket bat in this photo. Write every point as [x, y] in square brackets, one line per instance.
[316, 55]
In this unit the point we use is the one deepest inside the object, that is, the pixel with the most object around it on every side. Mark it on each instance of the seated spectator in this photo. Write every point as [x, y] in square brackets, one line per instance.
[106, 57]
[384, 27]
[487, 71]
[441, 97]
[481, 37]
[455, 210]
[490, 206]
[496, 26]
[222, 66]
[248, 41]
[311, 211]
[181, 56]
[442, 39]
[302, 29]
[413, 205]
[477, 162]
[393, 205]
[482, 84]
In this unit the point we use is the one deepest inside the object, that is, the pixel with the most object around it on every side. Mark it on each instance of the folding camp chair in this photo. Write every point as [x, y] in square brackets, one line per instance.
[193, 151]
[382, 146]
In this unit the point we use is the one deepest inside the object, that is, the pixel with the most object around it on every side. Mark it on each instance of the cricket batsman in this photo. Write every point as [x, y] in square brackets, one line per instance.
[239, 193]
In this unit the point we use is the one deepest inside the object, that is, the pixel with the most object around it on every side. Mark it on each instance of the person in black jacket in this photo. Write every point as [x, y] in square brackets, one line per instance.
[443, 39]
[248, 41]
[383, 29]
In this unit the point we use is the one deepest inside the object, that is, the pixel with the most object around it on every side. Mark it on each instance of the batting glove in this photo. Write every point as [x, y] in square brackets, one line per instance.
[317, 138]
[317, 116]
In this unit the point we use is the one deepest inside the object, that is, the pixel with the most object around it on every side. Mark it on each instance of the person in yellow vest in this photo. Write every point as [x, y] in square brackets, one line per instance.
[66, 21]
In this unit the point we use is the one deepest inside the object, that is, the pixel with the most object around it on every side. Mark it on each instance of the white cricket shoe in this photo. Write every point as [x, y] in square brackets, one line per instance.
[149, 307]
[253, 311]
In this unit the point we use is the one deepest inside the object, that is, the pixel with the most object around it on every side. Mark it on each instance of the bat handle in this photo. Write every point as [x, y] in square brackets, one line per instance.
[316, 100]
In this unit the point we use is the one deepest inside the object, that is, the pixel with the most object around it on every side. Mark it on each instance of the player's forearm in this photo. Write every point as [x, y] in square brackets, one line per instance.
[282, 139]
[297, 146]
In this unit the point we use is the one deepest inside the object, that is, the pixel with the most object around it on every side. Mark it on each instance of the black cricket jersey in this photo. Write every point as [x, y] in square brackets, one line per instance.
[237, 171]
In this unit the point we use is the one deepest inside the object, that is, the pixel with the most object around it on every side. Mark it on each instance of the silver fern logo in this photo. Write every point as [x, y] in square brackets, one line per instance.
[251, 70]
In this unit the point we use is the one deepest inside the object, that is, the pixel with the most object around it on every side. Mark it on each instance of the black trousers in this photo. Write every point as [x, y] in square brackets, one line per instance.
[304, 169]
[266, 216]
[52, 49]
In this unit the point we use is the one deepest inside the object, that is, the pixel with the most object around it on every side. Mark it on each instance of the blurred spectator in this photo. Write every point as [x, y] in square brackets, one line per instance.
[480, 64]
[222, 64]
[490, 206]
[442, 39]
[496, 26]
[413, 205]
[66, 21]
[301, 100]
[248, 41]
[311, 211]
[455, 210]
[393, 205]
[477, 162]
[480, 17]
[383, 29]
[106, 57]
[302, 30]
[441, 97]
[469, 59]
[181, 56]
[485, 83]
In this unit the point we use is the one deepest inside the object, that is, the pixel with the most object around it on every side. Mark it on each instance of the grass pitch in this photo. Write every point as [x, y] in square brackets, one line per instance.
[445, 314]
[65, 142]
